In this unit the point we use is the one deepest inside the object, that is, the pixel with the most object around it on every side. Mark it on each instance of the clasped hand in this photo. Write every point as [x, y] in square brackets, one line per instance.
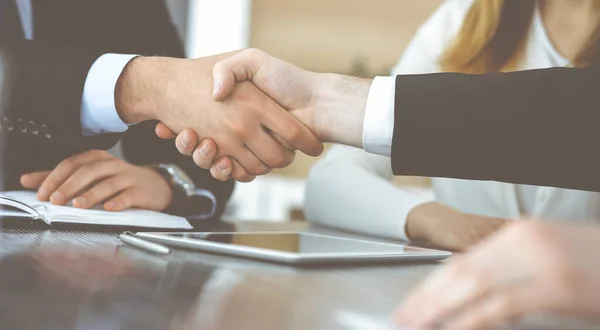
[257, 132]
[299, 110]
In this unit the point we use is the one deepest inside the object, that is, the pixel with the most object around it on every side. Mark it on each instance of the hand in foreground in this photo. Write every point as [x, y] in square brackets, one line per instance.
[95, 177]
[178, 92]
[447, 228]
[332, 106]
[527, 267]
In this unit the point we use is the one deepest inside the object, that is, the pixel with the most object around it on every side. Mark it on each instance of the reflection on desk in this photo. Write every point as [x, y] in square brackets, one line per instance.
[60, 283]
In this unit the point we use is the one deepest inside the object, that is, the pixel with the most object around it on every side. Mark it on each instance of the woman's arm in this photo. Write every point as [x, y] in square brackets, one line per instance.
[352, 189]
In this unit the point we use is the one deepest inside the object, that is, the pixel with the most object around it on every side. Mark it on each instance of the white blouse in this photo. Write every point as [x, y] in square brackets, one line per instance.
[351, 189]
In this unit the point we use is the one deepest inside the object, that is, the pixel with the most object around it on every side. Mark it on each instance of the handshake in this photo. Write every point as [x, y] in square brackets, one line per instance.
[244, 113]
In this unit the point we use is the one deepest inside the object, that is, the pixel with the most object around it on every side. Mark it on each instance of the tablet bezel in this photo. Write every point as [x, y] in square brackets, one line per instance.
[422, 254]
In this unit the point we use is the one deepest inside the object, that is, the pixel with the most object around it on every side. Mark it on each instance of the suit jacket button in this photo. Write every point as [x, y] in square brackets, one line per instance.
[8, 124]
[21, 126]
[45, 131]
[33, 128]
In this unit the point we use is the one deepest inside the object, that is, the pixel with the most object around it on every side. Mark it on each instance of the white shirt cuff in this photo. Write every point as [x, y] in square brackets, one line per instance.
[98, 110]
[378, 129]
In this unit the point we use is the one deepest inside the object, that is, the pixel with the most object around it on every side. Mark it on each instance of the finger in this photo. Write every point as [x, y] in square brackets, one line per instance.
[280, 140]
[164, 132]
[240, 174]
[498, 309]
[297, 135]
[271, 153]
[124, 200]
[446, 291]
[186, 142]
[102, 191]
[65, 169]
[250, 162]
[34, 180]
[226, 168]
[83, 177]
[236, 68]
[222, 169]
[204, 156]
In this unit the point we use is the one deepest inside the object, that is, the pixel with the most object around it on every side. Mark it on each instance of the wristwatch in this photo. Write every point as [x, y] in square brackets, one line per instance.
[183, 187]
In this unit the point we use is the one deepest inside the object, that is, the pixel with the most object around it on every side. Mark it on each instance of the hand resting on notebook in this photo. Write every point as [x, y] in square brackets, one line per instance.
[97, 177]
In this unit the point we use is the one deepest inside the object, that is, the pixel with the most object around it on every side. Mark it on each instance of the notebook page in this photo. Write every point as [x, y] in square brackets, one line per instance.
[68, 214]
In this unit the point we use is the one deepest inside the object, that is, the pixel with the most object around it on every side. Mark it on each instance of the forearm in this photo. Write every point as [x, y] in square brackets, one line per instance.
[340, 104]
[447, 228]
[344, 193]
[142, 88]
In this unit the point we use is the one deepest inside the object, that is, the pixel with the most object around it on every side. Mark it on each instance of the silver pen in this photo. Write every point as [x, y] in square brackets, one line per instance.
[130, 239]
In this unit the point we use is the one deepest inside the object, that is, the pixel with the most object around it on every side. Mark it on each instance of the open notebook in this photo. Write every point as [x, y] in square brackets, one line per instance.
[27, 205]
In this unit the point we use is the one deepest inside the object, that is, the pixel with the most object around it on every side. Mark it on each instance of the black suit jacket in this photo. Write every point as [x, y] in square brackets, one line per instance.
[539, 127]
[44, 78]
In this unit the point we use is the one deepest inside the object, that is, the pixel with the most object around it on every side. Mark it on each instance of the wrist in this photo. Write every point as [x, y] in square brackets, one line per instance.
[133, 91]
[340, 104]
[422, 222]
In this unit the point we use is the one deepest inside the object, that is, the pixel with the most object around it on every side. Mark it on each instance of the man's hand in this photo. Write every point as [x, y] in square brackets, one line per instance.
[527, 267]
[95, 177]
[332, 106]
[178, 93]
[447, 228]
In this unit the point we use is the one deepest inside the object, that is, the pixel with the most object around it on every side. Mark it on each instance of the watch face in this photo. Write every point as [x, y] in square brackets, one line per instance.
[180, 178]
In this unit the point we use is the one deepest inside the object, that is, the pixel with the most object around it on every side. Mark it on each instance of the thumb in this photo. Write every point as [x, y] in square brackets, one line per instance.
[237, 68]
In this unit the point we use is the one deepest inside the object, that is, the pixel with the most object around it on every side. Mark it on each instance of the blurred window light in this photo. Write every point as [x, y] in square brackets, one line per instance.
[217, 26]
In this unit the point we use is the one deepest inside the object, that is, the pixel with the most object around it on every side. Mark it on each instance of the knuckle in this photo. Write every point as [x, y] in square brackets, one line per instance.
[254, 52]
[111, 164]
[219, 66]
[68, 163]
[294, 132]
[50, 184]
[240, 130]
[86, 172]
[98, 153]
[281, 160]
[257, 170]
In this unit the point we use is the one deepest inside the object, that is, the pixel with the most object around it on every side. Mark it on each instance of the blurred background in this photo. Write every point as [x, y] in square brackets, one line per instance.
[355, 37]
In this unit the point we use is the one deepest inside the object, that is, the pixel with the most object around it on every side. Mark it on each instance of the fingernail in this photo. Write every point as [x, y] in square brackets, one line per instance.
[186, 139]
[205, 150]
[80, 202]
[57, 198]
[110, 205]
[43, 194]
[217, 88]
[221, 166]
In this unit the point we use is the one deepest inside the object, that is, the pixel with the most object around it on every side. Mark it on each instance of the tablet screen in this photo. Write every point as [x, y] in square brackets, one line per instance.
[297, 242]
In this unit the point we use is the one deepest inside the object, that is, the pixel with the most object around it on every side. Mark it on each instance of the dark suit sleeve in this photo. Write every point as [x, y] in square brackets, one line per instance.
[40, 94]
[539, 127]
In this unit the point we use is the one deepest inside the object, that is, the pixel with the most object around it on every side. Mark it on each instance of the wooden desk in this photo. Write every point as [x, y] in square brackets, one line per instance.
[60, 280]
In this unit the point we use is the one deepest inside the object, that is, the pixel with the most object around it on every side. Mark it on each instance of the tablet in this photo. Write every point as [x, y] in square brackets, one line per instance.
[295, 248]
